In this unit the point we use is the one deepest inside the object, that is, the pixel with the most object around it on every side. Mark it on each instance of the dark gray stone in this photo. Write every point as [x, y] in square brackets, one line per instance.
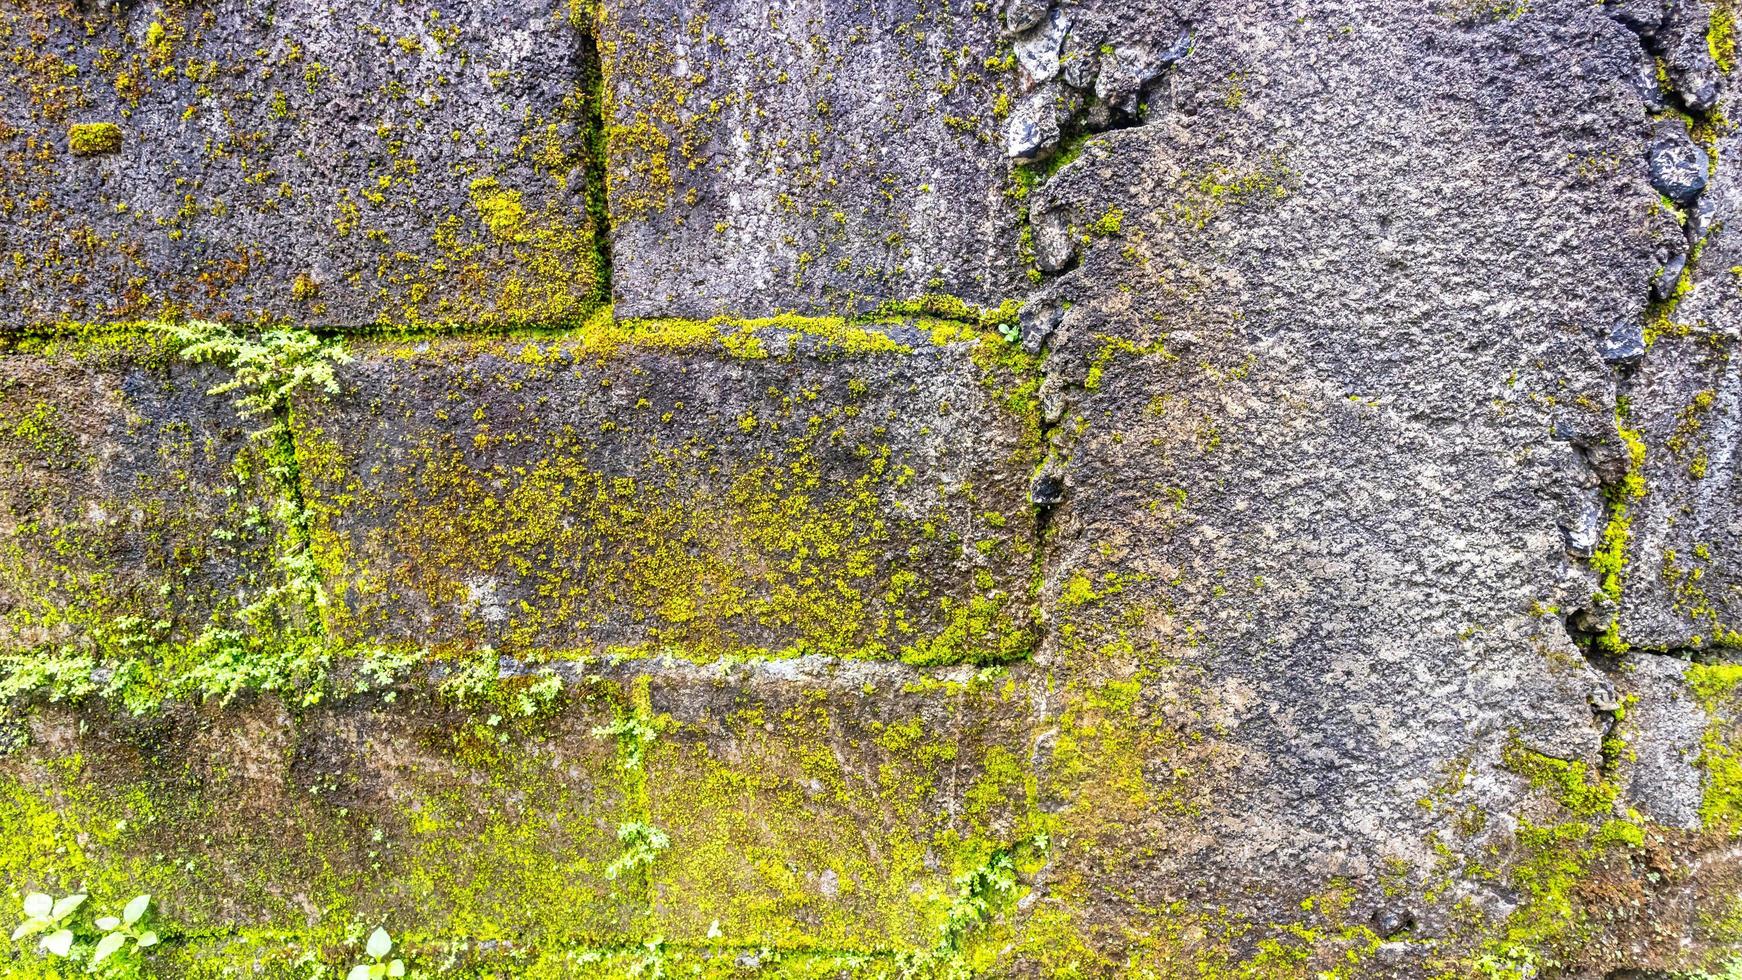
[790, 157]
[1678, 167]
[341, 162]
[748, 494]
[1624, 342]
[1020, 15]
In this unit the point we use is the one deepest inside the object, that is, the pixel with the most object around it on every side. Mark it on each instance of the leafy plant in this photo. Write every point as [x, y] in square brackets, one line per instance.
[540, 696]
[378, 947]
[641, 842]
[981, 893]
[266, 370]
[43, 914]
[109, 947]
[633, 734]
[118, 931]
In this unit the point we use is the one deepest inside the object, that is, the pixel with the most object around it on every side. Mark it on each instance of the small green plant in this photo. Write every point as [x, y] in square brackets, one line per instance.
[470, 680]
[981, 893]
[43, 914]
[540, 696]
[1729, 971]
[378, 947]
[109, 947]
[118, 931]
[642, 843]
[1511, 963]
[266, 370]
[633, 734]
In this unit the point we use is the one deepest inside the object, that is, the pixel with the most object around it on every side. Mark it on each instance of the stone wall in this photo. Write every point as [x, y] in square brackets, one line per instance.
[1173, 488]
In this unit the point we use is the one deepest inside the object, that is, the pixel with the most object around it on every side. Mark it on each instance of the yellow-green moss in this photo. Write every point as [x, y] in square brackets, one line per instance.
[1557, 855]
[1716, 687]
[1609, 561]
[91, 139]
[771, 535]
[1721, 36]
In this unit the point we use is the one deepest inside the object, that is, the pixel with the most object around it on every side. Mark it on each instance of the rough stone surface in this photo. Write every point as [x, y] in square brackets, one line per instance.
[1664, 726]
[1329, 465]
[1330, 572]
[775, 493]
[813, 805]
[339, 163]
[131, 504]
[802, 157]
[1682, 586]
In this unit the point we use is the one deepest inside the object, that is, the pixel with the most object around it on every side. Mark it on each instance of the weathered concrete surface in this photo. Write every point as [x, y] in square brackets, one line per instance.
[794, 156]
[346, 163]
[1681, 583]
[1664, 726]
[133, 506]
[711, 491]
[254, 818]
[813, 803]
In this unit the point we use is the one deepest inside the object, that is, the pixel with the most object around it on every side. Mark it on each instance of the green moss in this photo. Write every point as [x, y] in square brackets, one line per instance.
[1721, 37]
[1558, 856]
[767, 816]
[1716, 686]
[482, 837]
[770, 536]
[1610, 559]
[937, 306]
[92, 139]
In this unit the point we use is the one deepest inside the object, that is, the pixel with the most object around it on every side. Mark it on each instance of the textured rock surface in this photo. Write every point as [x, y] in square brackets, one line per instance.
[812, 805]
[131, 502]
[1331, 574]
[805, 157]
[348, 163]
[858, 495]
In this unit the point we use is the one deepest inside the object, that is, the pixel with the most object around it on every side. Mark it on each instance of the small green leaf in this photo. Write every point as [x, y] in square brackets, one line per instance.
[135, 909]
[147, 939]
[29, 927]
[358, 972]
[107, 923]
[107, 947]
[59, 943]
[37, 905]
[396, 968]
[65, 906]
[380, 943]
[377, 971]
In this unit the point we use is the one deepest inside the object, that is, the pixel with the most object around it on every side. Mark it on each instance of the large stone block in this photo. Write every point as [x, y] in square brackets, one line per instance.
[714, 490]
[800, 810]
[348, 163]
[819, 804]
[1681, 586]
[416, 811]
[1681, 582]
[798, 156]
[134, 507]
[1330, 484]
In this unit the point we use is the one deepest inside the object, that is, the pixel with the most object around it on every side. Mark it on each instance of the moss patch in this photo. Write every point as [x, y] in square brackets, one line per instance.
[93, 139]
